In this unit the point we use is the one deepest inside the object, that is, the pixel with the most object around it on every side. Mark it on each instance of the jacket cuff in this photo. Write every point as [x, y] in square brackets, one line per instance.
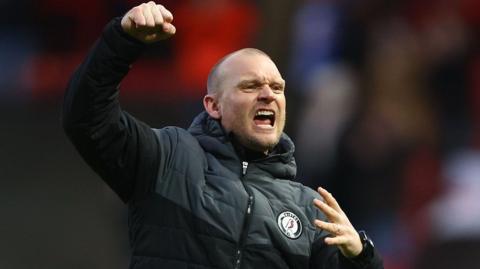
[370, 261]
[122, 45]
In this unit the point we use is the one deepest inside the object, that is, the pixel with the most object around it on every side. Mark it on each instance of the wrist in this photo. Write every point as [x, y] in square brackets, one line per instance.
[120, 44]
[367, 252]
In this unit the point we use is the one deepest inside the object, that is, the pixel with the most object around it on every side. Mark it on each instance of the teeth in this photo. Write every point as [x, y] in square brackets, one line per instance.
[264, 113]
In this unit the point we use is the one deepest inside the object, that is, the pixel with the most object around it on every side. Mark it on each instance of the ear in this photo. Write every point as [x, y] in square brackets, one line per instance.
[210, 102]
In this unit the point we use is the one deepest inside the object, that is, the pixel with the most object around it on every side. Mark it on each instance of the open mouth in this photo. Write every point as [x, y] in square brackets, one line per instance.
[264, 117]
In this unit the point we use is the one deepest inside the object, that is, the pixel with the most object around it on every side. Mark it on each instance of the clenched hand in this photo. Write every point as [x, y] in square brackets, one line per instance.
[148, 22]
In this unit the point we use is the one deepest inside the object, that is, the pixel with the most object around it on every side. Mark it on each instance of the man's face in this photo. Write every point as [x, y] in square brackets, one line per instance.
[252, 101]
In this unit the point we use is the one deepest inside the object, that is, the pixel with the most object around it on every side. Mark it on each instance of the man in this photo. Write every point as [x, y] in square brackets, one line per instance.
[217, 195]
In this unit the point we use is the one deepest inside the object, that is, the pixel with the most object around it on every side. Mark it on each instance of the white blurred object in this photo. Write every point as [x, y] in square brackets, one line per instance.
[456, 214]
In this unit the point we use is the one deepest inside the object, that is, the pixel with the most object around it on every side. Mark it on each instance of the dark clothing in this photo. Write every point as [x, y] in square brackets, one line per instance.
[195, 200]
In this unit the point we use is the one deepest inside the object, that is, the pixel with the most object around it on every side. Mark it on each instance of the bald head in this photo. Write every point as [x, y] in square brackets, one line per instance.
[215, 76]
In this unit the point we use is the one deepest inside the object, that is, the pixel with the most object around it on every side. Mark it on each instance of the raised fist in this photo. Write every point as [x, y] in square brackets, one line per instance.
[149, 22]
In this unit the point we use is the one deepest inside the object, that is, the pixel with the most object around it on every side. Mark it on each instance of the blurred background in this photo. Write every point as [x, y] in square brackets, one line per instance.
[383, 103]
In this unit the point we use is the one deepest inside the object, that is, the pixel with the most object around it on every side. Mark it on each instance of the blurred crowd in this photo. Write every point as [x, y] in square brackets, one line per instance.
[389, 121]
[383, 98]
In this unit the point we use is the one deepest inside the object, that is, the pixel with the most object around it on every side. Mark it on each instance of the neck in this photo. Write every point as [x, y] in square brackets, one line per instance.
[246, 153]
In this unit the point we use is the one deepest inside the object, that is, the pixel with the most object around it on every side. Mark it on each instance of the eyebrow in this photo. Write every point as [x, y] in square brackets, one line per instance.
[258, 81]
[248, 82]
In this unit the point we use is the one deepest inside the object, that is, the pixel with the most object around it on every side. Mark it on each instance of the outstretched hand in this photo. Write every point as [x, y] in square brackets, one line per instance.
[148, 22]
[342, 232]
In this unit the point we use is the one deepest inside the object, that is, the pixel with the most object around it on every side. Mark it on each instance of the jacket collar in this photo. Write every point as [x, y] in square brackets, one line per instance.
[280, 163]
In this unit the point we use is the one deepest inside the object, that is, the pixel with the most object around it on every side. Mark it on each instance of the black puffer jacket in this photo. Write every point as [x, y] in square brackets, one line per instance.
[195, 199]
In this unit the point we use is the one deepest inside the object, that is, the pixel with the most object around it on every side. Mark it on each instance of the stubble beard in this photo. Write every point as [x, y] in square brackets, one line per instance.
[255, 143]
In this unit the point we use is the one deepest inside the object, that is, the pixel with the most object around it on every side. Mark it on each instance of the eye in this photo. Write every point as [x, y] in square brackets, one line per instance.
[249, 86]
[277, 88]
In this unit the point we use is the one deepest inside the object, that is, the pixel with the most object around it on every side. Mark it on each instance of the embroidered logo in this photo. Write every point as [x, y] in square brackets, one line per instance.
[289, 224]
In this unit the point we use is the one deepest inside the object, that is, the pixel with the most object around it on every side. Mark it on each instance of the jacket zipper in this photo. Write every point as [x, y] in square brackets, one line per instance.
[246, 223]
[244, 168]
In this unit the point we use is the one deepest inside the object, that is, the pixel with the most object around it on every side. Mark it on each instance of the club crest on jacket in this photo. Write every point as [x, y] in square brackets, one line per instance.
[289, 224]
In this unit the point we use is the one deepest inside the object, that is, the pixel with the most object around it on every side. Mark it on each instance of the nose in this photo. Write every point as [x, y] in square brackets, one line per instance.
[266, 94]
